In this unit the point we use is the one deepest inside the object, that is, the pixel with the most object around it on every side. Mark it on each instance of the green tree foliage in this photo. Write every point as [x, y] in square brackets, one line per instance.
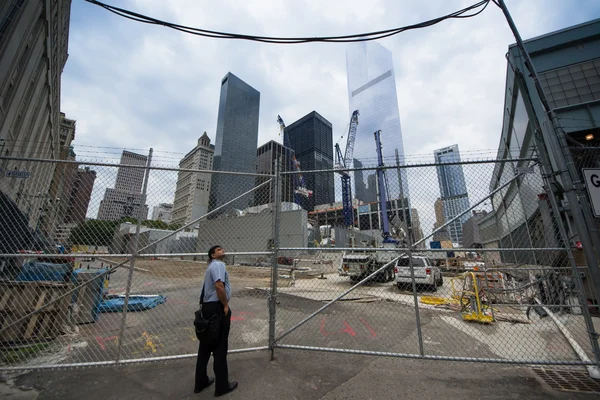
[94, 232]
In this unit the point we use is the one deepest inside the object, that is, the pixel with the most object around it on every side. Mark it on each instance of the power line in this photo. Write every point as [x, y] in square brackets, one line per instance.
[359, 37]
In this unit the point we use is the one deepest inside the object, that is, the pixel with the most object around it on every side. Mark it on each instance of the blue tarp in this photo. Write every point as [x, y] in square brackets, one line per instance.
[136, 303]
[41, 271]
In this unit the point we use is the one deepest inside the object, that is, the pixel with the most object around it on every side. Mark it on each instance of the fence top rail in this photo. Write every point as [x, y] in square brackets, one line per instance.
[418, 165]
[117, 165]
[418, 250]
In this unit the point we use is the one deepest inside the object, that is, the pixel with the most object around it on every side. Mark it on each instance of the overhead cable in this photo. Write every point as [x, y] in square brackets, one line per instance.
[477, 8]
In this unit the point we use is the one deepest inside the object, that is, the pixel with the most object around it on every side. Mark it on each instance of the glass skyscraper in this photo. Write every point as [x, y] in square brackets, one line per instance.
[311, 138]
[372, 91]
[453, 190]
[236, 141]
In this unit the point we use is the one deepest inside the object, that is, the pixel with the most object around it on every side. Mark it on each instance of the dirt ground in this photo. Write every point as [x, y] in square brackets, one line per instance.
[194, 270]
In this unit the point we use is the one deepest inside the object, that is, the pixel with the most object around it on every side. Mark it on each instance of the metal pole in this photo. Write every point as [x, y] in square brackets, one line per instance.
[557, 146]
[410, 260]
[134, 252]
[274, 271]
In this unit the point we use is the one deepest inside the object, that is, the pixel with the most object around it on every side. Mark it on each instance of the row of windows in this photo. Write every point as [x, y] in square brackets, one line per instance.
[574, 84]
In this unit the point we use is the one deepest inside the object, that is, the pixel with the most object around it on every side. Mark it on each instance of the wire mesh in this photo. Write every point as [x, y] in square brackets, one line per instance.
[103, 263]
[459, 260]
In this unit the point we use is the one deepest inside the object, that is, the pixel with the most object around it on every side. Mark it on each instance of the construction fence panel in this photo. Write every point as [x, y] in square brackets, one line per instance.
[472, 266]
[102, 263]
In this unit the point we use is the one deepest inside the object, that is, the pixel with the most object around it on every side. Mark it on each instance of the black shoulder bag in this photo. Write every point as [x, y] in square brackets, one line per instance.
[207, 330]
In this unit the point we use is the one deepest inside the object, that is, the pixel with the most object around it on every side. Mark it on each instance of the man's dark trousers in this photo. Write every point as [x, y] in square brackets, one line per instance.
[219, 351]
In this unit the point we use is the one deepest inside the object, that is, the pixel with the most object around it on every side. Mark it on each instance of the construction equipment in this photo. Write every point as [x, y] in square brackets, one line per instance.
[469, 296]
[382, 194]
[346, 162]
[299, 182]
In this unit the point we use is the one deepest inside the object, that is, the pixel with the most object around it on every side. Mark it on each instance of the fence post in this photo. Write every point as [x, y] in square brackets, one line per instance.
[134, 253]
[274, 272]
[409, 241]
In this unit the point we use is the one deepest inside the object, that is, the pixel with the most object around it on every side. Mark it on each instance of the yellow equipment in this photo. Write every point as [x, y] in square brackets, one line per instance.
[469, 298]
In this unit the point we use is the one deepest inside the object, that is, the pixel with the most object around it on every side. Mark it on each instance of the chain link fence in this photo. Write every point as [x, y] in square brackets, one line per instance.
[102, 263]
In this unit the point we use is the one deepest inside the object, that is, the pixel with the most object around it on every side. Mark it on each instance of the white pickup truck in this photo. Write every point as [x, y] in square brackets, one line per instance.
[427, 275]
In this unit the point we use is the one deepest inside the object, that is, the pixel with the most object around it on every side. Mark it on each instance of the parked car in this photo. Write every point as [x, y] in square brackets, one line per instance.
[427, 275]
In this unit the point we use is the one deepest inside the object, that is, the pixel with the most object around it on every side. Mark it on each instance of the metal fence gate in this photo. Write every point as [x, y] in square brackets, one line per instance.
[477, 266]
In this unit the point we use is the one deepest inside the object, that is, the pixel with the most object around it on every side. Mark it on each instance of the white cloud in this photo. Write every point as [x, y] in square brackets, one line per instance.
[136, 85]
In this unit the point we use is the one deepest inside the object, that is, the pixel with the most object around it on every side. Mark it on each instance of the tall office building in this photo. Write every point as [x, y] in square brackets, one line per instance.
[442, 234]
[268, 156]
[79, 198]
[125, 200]
[311, 138]
[34, 37]
[372, 91]
[453, 189]
[236, 142]
[163, 212]
[193, 188]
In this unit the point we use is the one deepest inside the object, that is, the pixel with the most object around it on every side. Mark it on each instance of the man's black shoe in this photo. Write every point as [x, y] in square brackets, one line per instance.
[232, 387]
[210, 382]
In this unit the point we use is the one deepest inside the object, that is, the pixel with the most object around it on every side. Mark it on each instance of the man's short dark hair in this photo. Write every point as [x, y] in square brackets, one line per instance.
[212, 251]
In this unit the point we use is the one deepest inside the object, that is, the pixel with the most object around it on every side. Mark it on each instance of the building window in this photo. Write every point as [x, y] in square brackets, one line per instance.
[575, 84]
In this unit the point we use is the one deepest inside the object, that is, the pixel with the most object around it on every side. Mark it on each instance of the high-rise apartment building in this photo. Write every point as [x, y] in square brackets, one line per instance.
[372, 91]
[267, 157]
[453, 189]
[193, 188]
[34, 38]
[125, 200]
[311, 138]
[236, 142]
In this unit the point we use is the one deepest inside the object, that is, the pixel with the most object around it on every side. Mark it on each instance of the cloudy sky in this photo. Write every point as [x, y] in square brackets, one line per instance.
[133, 85]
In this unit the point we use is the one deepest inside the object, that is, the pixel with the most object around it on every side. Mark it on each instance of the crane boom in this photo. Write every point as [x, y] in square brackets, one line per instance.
[351, 138]
[346, 162]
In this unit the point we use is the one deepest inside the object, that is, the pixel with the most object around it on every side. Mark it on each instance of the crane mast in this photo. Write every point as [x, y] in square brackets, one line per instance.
[346, 162]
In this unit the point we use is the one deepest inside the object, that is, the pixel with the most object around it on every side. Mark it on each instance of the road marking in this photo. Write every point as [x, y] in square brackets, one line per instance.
[373, 334]
[102, 340]
[150, 346]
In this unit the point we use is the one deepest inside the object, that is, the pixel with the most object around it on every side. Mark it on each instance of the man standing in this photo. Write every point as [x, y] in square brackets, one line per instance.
[217, 292]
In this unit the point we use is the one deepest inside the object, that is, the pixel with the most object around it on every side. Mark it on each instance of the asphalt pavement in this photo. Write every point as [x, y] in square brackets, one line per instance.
[293, 375]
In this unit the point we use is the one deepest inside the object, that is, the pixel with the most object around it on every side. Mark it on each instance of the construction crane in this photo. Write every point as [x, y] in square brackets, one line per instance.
[299, 182]
[346, 162]
[382, 193]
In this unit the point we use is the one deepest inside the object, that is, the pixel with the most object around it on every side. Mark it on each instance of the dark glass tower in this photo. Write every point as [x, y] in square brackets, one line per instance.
[311, 138]
[236, 141]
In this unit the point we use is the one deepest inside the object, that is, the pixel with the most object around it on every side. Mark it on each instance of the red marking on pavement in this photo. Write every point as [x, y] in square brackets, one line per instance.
[373, 334]
[101, 340]
[348, 330]
[240, 315]
[322, 328]
[148, 284]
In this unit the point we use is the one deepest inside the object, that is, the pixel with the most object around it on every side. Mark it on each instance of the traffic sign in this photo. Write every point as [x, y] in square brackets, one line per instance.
[592, 182]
